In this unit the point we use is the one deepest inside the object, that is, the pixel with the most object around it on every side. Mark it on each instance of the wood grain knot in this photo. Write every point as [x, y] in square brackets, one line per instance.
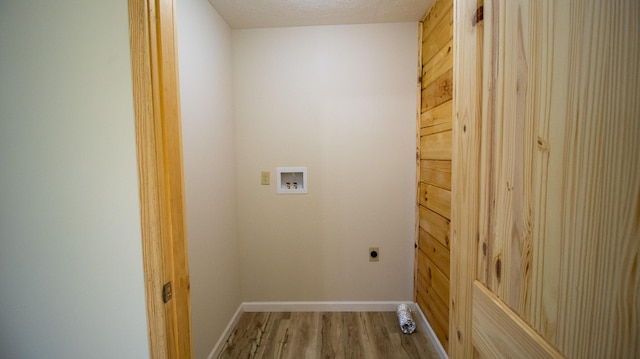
[484, 248]
[498, 269]
[478, 16]
[459, 335]
[509, 186]
[543, 144]
[638, 215]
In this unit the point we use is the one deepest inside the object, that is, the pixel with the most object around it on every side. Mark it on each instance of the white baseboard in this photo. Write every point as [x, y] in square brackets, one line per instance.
[432, 335]
[324, 307]
[215, 352]
[321, 306]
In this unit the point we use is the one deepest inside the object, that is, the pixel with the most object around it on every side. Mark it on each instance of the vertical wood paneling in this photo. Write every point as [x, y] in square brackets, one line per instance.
[434, 194]
[465, 172]
[551, 37]
[490, 94]
[507, 232]
[601, 181]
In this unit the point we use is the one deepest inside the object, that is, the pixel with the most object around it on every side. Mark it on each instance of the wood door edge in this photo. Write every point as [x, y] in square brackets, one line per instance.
[169, 334]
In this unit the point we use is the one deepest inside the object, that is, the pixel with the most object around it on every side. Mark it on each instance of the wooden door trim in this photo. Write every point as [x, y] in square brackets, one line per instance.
[416, 239]
[160, 173]
[465, 172]
[503, 334]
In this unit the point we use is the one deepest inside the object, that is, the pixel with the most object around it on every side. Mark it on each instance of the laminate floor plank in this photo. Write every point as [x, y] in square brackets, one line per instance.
[326, 335]
[333, 339]
[354, 345]
[273, 343]
[303, 336]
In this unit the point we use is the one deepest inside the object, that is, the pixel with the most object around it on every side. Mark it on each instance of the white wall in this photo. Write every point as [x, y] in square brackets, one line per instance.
[340, 100]
[71, 279]
[204, 49]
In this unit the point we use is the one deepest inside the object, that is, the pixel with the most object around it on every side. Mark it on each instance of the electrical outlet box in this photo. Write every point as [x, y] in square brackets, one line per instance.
[265, 178]
[374, 254]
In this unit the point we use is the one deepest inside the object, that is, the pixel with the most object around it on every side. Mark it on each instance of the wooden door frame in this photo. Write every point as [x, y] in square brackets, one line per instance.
[465, 171]
[160, 173]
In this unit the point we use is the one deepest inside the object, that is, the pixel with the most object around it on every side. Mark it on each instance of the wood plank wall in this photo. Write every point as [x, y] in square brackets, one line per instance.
[434, 168]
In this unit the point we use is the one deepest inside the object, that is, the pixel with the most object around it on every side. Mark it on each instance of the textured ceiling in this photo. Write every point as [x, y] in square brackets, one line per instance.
[240, 14]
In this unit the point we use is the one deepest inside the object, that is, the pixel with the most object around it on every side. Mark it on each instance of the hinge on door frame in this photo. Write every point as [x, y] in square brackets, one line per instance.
[167, 292]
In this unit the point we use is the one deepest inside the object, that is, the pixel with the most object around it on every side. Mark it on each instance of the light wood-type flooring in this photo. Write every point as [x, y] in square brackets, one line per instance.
[305, 335]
